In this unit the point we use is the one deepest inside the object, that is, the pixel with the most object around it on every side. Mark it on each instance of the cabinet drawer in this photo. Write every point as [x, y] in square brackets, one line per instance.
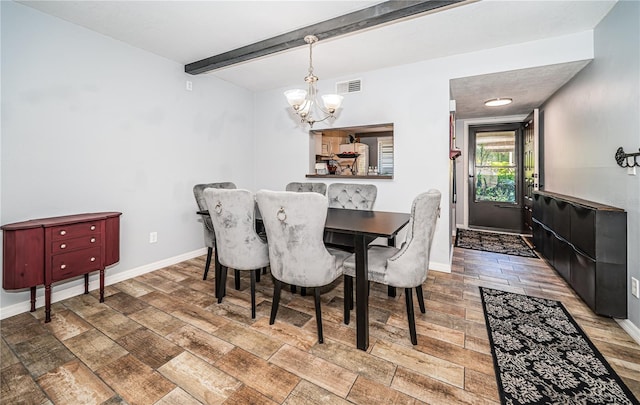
[66, 265]
[75, 230]
[68, 245]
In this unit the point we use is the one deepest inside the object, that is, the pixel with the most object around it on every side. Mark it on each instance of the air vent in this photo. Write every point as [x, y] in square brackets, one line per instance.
[350, 86]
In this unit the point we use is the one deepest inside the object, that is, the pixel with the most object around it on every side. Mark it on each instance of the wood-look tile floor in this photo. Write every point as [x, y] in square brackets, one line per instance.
[161, 338]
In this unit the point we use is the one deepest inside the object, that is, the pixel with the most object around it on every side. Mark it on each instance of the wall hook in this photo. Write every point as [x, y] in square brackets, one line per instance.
[624, 159]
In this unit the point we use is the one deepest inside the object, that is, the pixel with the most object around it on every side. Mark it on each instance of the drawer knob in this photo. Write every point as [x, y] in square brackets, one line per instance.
[93, 227]
[93, 259]
[63, 246]
[93, 240]
[63, 266]
[63, 232]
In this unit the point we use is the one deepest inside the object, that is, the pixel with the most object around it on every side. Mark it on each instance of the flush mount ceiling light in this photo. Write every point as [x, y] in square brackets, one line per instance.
[304, 101]
[497, 102]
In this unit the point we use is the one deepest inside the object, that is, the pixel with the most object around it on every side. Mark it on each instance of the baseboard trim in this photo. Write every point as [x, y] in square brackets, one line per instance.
[630, 328]
[59, 293]
[442, 267]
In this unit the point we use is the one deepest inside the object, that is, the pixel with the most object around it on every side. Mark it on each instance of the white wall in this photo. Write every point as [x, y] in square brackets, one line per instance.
[593, 115]
[91, 124]
[415, 98]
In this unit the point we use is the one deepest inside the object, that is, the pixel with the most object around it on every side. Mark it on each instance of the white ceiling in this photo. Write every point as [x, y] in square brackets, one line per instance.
[187, 31]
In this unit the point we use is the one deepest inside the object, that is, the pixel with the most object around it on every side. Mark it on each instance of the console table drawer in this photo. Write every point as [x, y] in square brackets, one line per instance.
[67, 245]
[75, 230]
[76, 263]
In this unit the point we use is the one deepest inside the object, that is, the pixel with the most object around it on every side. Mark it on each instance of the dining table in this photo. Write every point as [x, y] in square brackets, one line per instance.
[355, 230]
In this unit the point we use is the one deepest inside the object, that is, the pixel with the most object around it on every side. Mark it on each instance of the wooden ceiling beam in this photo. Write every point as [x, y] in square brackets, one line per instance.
[348, 23]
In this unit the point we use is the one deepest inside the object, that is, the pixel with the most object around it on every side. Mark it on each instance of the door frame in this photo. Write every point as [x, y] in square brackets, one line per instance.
[462, 175]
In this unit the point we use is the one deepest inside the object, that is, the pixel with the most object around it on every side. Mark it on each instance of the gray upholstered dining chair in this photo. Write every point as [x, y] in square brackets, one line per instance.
[407, 266]
[320, 188]
[295, 226]
[209, 235]
[297, 187]
[232, 213]
[352, 196]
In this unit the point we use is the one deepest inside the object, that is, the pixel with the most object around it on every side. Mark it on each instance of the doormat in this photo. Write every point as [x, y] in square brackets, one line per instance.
[541, 356]
[493, 242]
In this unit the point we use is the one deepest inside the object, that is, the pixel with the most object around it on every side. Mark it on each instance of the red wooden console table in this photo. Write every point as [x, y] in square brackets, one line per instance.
[44, 251]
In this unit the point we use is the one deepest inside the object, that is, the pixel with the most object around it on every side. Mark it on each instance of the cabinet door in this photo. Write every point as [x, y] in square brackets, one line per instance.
[23, 258]
[583, 278]
[562, 218]
[583, 222]
[562, 252]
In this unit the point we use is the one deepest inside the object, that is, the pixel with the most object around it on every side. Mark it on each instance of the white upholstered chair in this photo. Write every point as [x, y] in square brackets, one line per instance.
[209, 235]
[239, 247]
[295, 226]
[405, 267]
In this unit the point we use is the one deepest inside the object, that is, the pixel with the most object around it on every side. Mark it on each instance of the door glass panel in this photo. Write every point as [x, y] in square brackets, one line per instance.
[495, 168]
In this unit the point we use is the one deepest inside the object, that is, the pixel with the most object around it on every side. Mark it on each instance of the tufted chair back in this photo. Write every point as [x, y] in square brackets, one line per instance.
[198, 189]
[352, 196]
[320, 188]
[232, 213]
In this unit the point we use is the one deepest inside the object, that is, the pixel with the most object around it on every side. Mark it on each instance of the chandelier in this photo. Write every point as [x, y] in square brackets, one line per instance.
[304, 101]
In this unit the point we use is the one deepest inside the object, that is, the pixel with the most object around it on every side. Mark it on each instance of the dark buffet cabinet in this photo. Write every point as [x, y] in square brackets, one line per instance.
[44, 251]
[586, 243]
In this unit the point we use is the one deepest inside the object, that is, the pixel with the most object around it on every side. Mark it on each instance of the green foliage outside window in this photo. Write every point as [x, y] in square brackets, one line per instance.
[495, 176]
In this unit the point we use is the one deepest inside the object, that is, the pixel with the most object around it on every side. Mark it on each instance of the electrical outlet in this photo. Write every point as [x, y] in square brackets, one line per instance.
[153, 237]
[635, 288]
[189, 85]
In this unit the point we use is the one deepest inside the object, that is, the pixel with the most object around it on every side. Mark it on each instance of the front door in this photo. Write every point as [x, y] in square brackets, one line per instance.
[495, 177]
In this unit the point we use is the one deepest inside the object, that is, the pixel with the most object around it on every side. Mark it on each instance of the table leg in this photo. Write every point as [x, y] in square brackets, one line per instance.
[33, 299]
[47, 303]
[101, 285]
[217, 271]
[362, 296]
[86, 283]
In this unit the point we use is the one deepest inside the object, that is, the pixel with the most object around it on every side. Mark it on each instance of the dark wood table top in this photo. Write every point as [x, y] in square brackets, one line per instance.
[373, 223]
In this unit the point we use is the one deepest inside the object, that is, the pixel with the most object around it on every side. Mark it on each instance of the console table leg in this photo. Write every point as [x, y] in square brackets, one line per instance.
[102, 285]
[86, 283]
[33, 299]
[47, 303]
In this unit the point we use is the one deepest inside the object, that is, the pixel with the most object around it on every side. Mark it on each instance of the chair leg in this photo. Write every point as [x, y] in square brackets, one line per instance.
[303, 291]
[318, 314]
[348, 298]
[408, 293]
[391, 291]
[293, 289]
[222, 283]
[264, 270]
[206, 266]
[253, 294]
[257, 275]
[277, 287]
[236, 277]
[420, 299]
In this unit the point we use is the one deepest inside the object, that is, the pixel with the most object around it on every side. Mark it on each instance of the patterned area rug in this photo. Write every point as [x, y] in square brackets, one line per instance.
[541, 356]
[493, 242]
